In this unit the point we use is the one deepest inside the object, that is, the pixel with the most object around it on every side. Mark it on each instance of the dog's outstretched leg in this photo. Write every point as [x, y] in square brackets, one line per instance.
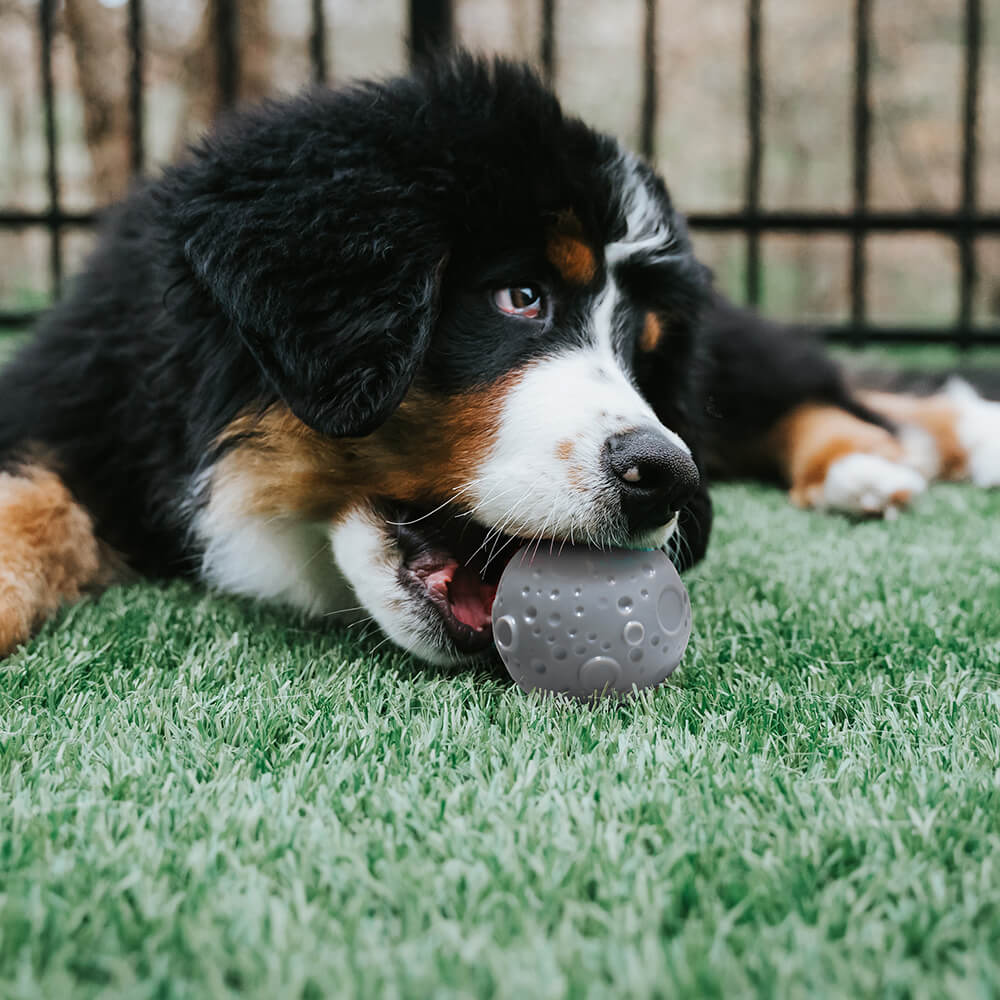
[961, 429]
[48, 551]
[833, 460]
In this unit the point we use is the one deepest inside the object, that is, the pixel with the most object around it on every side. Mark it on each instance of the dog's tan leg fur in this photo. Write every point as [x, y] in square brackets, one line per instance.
[812, 437]
[48, 552]
[936, 415]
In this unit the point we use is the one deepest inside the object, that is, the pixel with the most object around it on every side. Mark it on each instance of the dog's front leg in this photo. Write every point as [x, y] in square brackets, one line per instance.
[48, 552]
[833, 460]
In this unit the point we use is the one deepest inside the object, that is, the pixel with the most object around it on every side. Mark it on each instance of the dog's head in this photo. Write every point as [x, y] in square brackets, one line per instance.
[475, 319]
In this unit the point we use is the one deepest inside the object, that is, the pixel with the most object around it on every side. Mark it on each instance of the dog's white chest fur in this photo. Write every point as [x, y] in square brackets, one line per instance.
[282, 559]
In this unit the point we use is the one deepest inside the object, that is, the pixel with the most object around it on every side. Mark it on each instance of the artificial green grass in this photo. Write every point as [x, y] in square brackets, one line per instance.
[200, 798]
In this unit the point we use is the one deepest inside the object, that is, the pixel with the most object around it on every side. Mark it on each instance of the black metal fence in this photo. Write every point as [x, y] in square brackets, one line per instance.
[432, 26]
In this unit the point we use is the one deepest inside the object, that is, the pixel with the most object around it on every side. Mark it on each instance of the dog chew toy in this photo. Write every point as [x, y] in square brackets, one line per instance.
[587, 623]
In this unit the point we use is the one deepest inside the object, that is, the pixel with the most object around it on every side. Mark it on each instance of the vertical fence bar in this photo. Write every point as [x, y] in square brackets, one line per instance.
[317, 42]
[46, 13]
[137, 151]
[547, 44]
[861, 165]
[650, 84]
[970, 167]
[431, 28]
[755, 150]
[227, 56]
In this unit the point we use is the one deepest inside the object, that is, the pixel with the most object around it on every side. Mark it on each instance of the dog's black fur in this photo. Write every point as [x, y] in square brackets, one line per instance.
[757, 371]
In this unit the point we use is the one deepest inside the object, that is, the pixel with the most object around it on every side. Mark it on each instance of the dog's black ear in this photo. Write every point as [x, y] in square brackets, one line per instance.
[323, 256]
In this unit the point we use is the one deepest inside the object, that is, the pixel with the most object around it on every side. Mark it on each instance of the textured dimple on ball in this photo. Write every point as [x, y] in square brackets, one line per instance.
[633, 633]
[505, 632]
[600, 672]
[670, 609]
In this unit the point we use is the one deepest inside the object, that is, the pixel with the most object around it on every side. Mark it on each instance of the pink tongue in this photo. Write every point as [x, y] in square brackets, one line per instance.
[470, 600]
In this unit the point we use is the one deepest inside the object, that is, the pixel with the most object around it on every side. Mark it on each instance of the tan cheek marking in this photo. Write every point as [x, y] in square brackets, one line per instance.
[428, 450]
[564, 450]
[652, 332]
[812, 437]
[48, 552]
[576, 479]
[574, 473]
[933, 414]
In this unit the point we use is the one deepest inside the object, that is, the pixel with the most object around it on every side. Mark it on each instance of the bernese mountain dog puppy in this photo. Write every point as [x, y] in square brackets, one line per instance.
[363, 342]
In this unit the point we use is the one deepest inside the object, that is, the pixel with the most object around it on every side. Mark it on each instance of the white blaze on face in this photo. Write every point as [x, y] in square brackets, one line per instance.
[646, 230]
[546, 475]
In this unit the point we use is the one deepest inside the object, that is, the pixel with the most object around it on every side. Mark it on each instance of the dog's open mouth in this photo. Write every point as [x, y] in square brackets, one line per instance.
[455, 565]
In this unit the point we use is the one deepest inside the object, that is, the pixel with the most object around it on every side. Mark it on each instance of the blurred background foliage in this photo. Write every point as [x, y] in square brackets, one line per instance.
[701, 133]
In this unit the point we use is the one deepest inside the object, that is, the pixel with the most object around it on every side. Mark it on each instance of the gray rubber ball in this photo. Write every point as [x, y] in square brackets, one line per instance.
[583, 622]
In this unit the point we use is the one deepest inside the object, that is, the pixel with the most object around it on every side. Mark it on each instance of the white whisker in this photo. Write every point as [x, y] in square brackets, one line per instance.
[430, 513]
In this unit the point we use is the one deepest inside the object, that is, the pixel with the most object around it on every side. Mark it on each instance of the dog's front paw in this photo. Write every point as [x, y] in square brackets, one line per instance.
[15, 623]
[867, 485]
[978, 429]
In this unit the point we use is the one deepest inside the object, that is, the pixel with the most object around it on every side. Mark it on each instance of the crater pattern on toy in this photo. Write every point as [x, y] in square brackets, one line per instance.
[582, 622]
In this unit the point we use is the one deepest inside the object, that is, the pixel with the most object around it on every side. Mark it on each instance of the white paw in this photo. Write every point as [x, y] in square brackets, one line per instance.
[869, 484]
[978, 430]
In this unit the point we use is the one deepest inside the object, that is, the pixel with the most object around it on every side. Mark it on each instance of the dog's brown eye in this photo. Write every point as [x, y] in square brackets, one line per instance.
[522, 300]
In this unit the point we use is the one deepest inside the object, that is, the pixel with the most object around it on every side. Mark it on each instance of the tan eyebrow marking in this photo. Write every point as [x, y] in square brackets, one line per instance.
[568, 252]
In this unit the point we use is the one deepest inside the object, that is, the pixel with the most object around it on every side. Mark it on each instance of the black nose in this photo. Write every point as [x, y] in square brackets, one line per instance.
[654, 476]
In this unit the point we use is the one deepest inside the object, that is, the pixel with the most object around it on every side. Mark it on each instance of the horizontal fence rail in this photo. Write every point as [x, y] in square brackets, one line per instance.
[432, 27]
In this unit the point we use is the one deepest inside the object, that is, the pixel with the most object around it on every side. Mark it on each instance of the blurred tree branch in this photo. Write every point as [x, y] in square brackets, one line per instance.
[97, 38]
[199, 72]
